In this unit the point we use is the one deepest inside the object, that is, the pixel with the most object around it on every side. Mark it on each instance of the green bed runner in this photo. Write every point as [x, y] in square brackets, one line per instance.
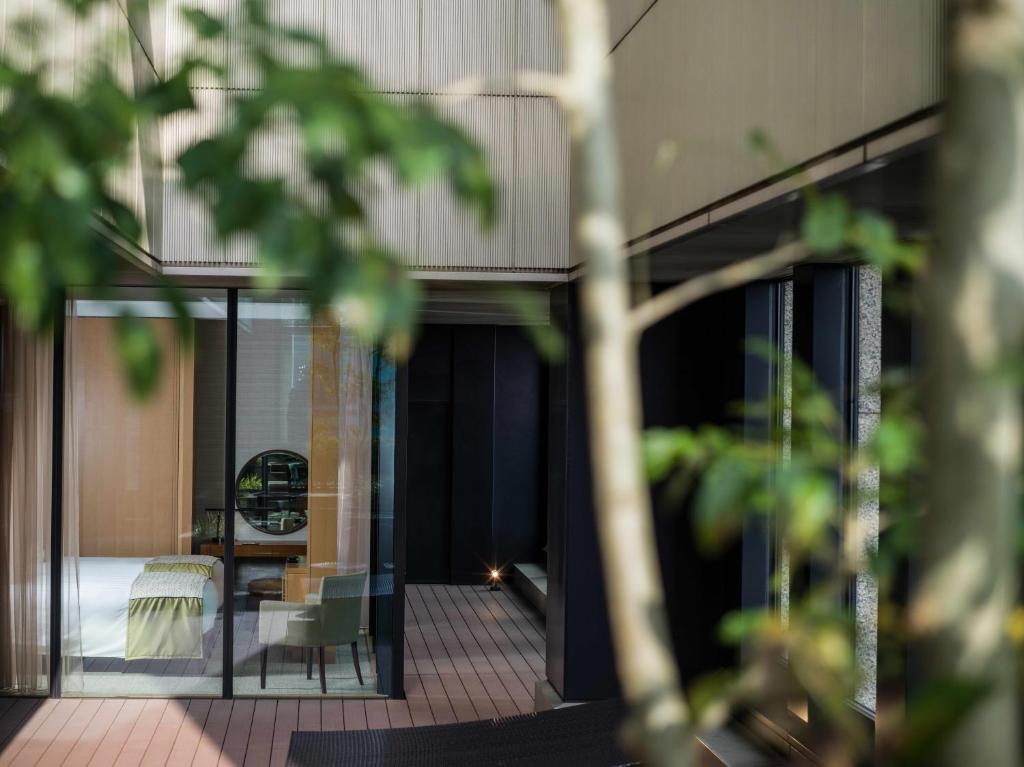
[165, 616]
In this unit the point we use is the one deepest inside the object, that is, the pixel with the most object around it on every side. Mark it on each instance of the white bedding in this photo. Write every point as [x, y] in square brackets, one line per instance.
[105, 584]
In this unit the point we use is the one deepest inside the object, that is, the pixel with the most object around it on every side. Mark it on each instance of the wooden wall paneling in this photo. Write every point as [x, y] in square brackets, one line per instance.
[324, 352]
[128, 451]
[186, 400]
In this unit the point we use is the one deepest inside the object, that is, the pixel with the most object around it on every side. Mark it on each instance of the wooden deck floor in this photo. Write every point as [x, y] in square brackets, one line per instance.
[470, 654]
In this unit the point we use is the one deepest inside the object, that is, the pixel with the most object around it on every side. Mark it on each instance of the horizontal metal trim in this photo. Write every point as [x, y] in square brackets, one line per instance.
[868, 149]
[235, 273]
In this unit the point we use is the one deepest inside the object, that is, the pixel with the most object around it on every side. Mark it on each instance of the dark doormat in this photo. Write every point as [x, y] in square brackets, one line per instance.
[578, 735]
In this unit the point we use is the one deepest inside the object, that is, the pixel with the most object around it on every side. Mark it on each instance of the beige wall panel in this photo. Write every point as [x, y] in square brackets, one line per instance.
[127, 451]
[188, 235]
[694, 77]
[381, 36]
[905, 41]
[470, 42]
[449, 235]
[539, 38]
[541, 183]
[524, 136]
[623, 14]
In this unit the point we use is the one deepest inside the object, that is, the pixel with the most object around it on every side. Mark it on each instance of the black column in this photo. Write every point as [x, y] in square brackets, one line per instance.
[57, 506]
[824, 340]
[230, 388]
[580, 662]
[763, 332]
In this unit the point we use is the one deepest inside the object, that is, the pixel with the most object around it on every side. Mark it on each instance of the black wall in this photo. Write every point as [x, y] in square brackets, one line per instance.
[580, 662]
[692, 372]
[476, 453]
[692, 368]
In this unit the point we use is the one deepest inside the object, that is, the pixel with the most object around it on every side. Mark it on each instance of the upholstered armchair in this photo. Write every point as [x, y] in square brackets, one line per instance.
[331, 617]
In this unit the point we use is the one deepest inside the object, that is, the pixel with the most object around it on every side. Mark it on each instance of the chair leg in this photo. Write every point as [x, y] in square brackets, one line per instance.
[263, 667]
[355, 662]
[323, 671]
[308, 652]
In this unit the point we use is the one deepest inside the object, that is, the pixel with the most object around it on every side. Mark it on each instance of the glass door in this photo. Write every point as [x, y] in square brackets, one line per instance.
[143, 593]
[307, 518]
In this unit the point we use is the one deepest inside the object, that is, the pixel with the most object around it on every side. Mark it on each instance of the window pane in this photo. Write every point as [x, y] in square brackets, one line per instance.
[143, 606]
[307, 586]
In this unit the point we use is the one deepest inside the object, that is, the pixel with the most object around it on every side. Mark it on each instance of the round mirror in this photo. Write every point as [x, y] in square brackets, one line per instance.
[271, 491]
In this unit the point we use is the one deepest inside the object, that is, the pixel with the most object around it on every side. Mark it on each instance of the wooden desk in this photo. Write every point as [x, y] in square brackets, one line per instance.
[253, 550]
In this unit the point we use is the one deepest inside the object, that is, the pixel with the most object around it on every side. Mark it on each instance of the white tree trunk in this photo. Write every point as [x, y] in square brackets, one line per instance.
[646, 666]
[974, 310]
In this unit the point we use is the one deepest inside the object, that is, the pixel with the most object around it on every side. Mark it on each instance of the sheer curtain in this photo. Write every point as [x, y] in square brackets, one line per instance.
[26, 373]
[355, 429]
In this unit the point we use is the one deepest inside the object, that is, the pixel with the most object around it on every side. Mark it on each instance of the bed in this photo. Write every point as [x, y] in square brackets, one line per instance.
[105, 592]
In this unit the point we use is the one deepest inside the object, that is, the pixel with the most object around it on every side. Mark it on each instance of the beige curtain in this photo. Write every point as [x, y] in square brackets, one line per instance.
[355, 429]
[25, 458]
[340, 468]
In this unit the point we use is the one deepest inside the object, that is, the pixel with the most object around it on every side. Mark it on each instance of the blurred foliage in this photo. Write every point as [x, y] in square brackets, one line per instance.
[64, 151]
[805, 482]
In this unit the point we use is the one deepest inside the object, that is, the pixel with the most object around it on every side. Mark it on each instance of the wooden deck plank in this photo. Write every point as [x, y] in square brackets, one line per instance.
[377, 715]
[83, 749]
[398, 713]
[22, 720]
[237, 738]
[287, 721]
[135, 745]
[355, 715]
[160, 745]
[437, 697]
[59, 747]
[186, 742]
[309, 715]
[419, 707]
[29, 744]
[261, 735]
[214, 731]
[332, 715]
[110, 747]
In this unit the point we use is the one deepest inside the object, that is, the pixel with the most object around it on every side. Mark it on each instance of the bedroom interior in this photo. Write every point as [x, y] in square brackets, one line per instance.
[144, 499]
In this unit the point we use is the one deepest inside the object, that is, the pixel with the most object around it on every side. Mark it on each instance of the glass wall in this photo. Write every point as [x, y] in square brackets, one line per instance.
[310, 516]
[26, 378]
[143, 502]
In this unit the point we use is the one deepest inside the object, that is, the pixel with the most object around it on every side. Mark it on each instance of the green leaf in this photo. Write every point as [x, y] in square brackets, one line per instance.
[168, 96]
[935, 712]
[203, 24]
[823, 228]
[139, 352]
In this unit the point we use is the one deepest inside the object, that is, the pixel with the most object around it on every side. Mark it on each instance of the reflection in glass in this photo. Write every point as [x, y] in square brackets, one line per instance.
[140, 476]
[308, 588]
[271, 491]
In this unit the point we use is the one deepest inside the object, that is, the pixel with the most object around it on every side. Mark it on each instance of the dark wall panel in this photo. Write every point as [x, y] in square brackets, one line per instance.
[580, 660]
[429, 498]
[429, 458]
[692, 368]
[472, 549]
[519, 455]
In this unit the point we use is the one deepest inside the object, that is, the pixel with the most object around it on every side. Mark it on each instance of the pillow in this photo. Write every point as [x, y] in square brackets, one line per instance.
[182, 563]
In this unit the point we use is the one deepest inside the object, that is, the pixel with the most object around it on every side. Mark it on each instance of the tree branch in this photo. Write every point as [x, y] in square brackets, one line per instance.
[654, 310]
[525, 83]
